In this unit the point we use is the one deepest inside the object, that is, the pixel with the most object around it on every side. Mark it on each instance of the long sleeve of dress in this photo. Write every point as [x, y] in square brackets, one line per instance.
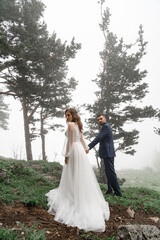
[69, 139]
[83, 142]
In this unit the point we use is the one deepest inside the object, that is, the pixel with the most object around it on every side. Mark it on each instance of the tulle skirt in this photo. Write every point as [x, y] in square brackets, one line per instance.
[78, 201]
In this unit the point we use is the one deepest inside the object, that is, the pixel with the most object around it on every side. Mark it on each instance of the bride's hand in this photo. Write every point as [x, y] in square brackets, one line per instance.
[66, 160]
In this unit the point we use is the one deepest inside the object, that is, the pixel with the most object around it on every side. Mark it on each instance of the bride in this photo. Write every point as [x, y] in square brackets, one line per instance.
[78, 201]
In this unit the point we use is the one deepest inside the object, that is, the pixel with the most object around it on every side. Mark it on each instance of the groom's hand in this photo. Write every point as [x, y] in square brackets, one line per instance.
[87, 151]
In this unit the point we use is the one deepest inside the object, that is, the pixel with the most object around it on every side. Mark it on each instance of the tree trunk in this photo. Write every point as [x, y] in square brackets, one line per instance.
[44, 157]
[103, 178]
[26, 131]
[96, 155]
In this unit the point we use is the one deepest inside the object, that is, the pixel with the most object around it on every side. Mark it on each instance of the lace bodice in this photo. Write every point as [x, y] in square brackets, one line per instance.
[73, 134]
[76, 137]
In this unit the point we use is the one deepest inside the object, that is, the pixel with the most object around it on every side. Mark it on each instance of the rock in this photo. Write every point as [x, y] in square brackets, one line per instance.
[15, 229]
[155, 219]
[130, 212]
[138, 232]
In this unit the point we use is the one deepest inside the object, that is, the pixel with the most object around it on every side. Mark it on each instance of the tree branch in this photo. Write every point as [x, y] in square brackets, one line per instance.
[9, 93]
[4, 66]
[103, 20]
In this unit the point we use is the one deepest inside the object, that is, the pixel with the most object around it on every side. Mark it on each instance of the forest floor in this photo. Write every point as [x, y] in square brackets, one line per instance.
[30, 216]
[23, 203]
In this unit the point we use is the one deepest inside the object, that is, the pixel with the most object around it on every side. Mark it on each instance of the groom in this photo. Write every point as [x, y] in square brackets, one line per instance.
[106, 151]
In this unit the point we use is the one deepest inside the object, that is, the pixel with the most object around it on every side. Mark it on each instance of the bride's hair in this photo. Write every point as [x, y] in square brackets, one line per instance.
[75, 117]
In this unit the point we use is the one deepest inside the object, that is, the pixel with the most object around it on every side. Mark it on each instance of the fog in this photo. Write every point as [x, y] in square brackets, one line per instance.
[80, 19]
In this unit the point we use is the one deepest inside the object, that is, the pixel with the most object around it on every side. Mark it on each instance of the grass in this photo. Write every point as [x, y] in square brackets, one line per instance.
[47, 167]
[20, 182]
[23, 181]
[146, 178]
[21, 233]
[8, 234]
[138, 198]
[90, 236]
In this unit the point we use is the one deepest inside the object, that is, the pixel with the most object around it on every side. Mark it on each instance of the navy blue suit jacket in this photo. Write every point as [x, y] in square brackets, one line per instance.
[105, 138]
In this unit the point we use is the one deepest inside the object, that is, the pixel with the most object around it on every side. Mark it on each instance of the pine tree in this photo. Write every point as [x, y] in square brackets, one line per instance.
[56, 89]
[26, 49]
[121, 87]
[157, 130]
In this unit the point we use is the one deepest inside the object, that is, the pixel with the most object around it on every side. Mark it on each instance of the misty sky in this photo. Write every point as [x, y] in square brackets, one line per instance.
[80, 19]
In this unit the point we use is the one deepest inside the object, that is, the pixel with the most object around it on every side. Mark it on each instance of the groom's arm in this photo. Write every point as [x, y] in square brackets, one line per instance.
[99, 137]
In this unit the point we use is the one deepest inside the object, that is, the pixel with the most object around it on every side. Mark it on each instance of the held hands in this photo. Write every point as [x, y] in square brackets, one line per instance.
[66, 160]
[87, 151]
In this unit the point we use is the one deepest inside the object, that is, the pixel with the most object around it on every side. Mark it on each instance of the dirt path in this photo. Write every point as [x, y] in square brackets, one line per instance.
[29, 216]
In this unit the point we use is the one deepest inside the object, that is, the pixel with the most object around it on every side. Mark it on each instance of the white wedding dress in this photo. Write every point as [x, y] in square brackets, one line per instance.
[78, 201]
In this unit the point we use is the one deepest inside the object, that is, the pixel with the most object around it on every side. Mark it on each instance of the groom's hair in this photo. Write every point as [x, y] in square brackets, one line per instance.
[101, 115]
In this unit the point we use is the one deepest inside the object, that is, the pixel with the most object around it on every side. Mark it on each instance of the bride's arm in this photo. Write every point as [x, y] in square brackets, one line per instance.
[70, 138]
[83, 141]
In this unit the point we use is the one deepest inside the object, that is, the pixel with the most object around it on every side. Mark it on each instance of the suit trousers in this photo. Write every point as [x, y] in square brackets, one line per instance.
[111, 176]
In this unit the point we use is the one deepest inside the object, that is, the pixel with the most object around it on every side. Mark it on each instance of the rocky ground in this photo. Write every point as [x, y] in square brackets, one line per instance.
[9, 215]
